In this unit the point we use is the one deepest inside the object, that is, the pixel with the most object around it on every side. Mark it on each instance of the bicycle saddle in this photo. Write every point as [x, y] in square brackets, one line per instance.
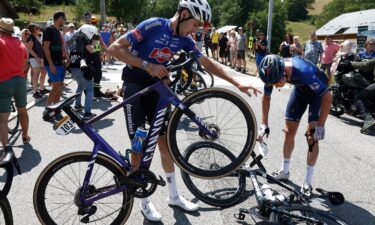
[58, 106]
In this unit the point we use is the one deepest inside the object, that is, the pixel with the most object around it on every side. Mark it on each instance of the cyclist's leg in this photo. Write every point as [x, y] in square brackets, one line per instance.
[21, 102]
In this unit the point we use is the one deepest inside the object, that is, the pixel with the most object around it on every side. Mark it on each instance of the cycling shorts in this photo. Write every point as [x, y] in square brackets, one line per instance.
[59, 76]
[297, 104]
[140, 110]
[16, 88]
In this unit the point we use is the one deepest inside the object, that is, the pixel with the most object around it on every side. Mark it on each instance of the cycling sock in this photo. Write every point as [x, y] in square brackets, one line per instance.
[145, 201]
[171, 183]
[309, 174]
[285, 165]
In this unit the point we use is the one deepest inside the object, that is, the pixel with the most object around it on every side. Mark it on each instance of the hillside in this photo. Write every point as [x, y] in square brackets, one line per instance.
[318, 6]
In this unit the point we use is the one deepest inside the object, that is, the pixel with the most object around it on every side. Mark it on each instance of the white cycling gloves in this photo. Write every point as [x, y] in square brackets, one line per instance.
[319, 133]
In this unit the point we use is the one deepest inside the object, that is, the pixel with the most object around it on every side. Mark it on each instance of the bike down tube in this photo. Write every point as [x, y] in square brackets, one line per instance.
[258, 192]
[165, 98]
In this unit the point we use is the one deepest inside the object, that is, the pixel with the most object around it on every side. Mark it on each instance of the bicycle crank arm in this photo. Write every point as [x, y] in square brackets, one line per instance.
[161, 182]
[17, 165]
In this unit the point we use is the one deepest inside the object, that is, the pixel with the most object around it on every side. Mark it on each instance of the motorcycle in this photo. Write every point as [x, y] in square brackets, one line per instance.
[349, 82]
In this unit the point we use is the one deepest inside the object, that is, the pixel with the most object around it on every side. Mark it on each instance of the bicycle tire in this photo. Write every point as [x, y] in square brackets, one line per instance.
[6, 179]
[321, 215]
[205, 190]
[200, 85]
[210, 81]
[13, 123]
[182, 130]
[41, 191]
[6, 215]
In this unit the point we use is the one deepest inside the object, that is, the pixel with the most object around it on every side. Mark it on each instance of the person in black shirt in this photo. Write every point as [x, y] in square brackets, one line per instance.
[260, 48]
[53, 57]
[223, 44]
[285, 46]
[207, 41]
[198, 39]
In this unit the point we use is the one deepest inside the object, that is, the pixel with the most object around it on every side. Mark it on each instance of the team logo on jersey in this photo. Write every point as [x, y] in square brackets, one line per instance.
[137, 35]
[161, 55]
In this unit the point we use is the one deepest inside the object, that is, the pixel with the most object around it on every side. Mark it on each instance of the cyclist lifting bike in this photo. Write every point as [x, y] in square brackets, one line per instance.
[203, 116]
[153, 43]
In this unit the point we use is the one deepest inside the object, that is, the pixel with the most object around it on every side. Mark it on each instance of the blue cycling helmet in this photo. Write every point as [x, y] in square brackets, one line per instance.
[271, 69]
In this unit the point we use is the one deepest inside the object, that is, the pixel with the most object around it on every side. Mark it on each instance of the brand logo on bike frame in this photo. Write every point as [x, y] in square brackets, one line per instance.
[153, 135]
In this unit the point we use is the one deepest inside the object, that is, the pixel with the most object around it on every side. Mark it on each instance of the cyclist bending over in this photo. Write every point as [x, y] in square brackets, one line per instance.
[146, 50]
[310, 89]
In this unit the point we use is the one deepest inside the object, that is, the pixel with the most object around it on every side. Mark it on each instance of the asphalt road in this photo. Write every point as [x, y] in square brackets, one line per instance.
[346, 162]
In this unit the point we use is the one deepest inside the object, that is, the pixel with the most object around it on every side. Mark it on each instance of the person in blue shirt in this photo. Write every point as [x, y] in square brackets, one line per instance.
[105, 34]
[146, 50]
[310, 90]
[370, 49]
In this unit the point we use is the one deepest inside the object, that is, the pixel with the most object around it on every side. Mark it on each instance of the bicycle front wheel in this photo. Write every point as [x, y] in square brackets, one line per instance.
[57, 190]
[13, 122]
[222, 192]
[297, 211]
[6, 216]
[223, 112]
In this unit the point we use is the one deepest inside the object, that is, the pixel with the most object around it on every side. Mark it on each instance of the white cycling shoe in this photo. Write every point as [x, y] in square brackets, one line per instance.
[183, 204]
[148, 210]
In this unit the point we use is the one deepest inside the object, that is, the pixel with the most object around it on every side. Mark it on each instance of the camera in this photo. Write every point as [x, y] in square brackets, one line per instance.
[82, 64]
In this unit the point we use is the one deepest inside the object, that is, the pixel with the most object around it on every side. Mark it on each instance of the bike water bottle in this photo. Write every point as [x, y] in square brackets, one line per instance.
[139, 140]
[267, 192]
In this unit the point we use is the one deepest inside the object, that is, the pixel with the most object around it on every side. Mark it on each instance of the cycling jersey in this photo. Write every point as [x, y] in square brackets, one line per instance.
[153, 41]
[310, 84]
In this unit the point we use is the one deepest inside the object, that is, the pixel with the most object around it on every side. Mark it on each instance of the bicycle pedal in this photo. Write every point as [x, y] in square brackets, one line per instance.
[241, 215]
[161, 181]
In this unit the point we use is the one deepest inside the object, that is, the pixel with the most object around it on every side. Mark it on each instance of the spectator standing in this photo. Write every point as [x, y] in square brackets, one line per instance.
[285, 46]
[295, 48]
[223, 43]
[199, 39]
[53, 57]
[35, 49]
[105, 34]
[207, 41]
[25, 33]
[215, 43]
[370, 49]
[330, 50]
[13, 59]
[232, 48]
[260, 47]
[313, 49]
[241, 50]
[69, 34]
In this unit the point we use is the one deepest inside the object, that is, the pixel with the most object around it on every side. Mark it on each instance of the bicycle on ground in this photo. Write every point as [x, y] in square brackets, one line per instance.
[281, 204]
[99, 186]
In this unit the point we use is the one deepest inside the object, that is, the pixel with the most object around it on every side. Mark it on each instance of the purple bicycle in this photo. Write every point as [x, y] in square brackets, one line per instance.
[99, 186]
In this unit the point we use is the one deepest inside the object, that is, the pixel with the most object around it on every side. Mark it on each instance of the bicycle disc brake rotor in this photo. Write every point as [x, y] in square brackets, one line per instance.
[214, 128]
[143, 183]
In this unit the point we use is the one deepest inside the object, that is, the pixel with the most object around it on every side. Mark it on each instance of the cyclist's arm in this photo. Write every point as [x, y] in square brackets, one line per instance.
[325, 108]
[266, 103]
[120, 50]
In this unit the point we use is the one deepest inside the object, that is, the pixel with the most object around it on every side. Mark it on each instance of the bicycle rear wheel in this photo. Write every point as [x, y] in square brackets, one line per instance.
[223, 192]
[6, 216]
[57, 190]
[301, 210]
[14, 122]
[222, 111]
[208, 77]
[197, 84]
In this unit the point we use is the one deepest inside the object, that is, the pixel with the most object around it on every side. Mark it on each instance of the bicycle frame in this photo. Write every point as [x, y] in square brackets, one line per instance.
[100, 145]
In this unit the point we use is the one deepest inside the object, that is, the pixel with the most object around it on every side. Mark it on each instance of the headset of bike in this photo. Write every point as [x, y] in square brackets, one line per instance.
[310, 89]
[153, 43]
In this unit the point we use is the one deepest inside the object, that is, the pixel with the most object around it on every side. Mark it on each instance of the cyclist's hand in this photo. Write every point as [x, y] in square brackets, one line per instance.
[245, 89]
[263, 130]
[52, 68]
[156, 70]
[319, 133]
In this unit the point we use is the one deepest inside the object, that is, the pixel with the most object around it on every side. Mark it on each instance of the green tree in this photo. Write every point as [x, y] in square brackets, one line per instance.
[338, 7]
[297, 9]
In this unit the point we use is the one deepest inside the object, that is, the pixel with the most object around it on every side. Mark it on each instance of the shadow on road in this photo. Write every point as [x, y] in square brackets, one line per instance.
[357, 123]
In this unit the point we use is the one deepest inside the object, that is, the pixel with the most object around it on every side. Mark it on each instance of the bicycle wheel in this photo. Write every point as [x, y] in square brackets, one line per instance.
[14, 122]
[208, 77]
[6, 216]
[6, 179]
[58, 187]
[196, 85]
[223, 192]
[301, 210]
[224, 112]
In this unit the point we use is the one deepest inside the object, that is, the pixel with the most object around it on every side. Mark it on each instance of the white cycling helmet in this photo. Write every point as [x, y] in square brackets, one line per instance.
[88, 30]
[199, 9]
